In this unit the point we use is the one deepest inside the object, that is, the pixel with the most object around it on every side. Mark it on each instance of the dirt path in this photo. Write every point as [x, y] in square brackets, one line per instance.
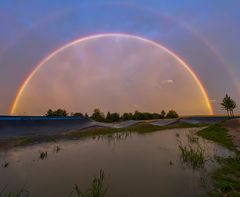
[233, 127]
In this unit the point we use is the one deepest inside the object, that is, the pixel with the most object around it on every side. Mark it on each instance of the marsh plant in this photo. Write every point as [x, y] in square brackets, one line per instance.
[97, 188]
[43, 155]
[21, 193]
[56, 149]
[192, 138]
[5, 164]
[193, 157]
[120, 135]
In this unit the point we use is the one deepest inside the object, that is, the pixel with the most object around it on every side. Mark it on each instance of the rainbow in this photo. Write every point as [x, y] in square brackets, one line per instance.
[184, 64]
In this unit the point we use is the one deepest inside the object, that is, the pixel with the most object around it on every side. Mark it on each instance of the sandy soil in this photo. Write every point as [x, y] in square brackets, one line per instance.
[233, 127]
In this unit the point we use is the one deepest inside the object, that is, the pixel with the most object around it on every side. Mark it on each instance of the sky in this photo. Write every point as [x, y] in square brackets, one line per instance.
[203, 33]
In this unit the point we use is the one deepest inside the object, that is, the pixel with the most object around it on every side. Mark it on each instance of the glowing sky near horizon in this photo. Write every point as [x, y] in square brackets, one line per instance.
[205, 34]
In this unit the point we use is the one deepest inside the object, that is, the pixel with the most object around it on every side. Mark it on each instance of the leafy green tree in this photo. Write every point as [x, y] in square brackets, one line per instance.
[125, 116]
[115, 117]
[172, 114]
[163, 114]
[138, 116]
[49, 112]
[77, 114]
[147, 116]
[98, 115]
[57, 113]
[228, 104]
[130, 115]
[112, 117]
[108, 117]
[156, 116]
[232, 107]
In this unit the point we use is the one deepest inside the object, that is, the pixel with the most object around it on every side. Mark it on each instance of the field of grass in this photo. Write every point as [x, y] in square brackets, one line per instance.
[227, 177]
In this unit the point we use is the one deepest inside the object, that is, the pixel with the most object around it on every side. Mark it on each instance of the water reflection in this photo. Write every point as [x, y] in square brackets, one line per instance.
[134, 165]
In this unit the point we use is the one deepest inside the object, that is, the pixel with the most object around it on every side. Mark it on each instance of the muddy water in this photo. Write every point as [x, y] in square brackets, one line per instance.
[134, 165]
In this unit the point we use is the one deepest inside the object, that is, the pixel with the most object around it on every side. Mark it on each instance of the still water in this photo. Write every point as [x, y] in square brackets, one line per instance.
[134, 165]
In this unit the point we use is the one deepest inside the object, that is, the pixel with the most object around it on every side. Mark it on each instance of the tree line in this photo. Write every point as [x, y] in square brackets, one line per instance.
[98, 115]
[227, 104]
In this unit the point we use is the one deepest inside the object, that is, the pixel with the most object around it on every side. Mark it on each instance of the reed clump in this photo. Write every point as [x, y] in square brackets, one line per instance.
[97, 188]
[193, 157]
[43, 155]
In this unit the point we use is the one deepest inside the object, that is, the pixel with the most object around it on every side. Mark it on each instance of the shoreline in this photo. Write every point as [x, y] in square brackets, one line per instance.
[93, 131]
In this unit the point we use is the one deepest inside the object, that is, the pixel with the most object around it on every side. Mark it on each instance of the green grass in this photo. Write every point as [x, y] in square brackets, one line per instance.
[218, 134]
[25, 140]
[226, 178]
[193, 157]
[21, 193]
[141, 128]
[97, 188]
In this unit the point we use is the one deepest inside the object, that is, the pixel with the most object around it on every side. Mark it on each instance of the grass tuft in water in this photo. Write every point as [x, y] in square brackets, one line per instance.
[5, 164]
[22, 193]
[97, 189]
[192, 138]
[193, 157]
[56, 149]
[43, 155]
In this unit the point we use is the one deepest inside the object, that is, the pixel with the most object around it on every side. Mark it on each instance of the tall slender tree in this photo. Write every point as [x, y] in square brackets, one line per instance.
[233, 105]
[228, 104]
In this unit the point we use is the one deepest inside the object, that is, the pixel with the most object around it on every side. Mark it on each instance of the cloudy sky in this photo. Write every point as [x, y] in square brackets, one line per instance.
[202, 33]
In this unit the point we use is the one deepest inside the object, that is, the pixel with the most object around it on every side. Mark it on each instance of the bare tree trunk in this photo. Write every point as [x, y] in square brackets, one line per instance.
[227, 112]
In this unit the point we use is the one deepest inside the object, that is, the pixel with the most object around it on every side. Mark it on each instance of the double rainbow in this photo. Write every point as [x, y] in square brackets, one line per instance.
[184, 64]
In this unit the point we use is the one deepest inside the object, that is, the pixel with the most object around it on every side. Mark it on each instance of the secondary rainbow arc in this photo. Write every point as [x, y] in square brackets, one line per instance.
[186, 66]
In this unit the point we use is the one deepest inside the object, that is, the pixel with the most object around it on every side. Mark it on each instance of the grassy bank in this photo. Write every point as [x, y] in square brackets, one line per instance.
[227, 177]
[140, 128]
[218, 134]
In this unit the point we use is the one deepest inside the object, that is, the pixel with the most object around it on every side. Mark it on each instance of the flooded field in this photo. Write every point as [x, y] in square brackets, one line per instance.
[133, 164]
